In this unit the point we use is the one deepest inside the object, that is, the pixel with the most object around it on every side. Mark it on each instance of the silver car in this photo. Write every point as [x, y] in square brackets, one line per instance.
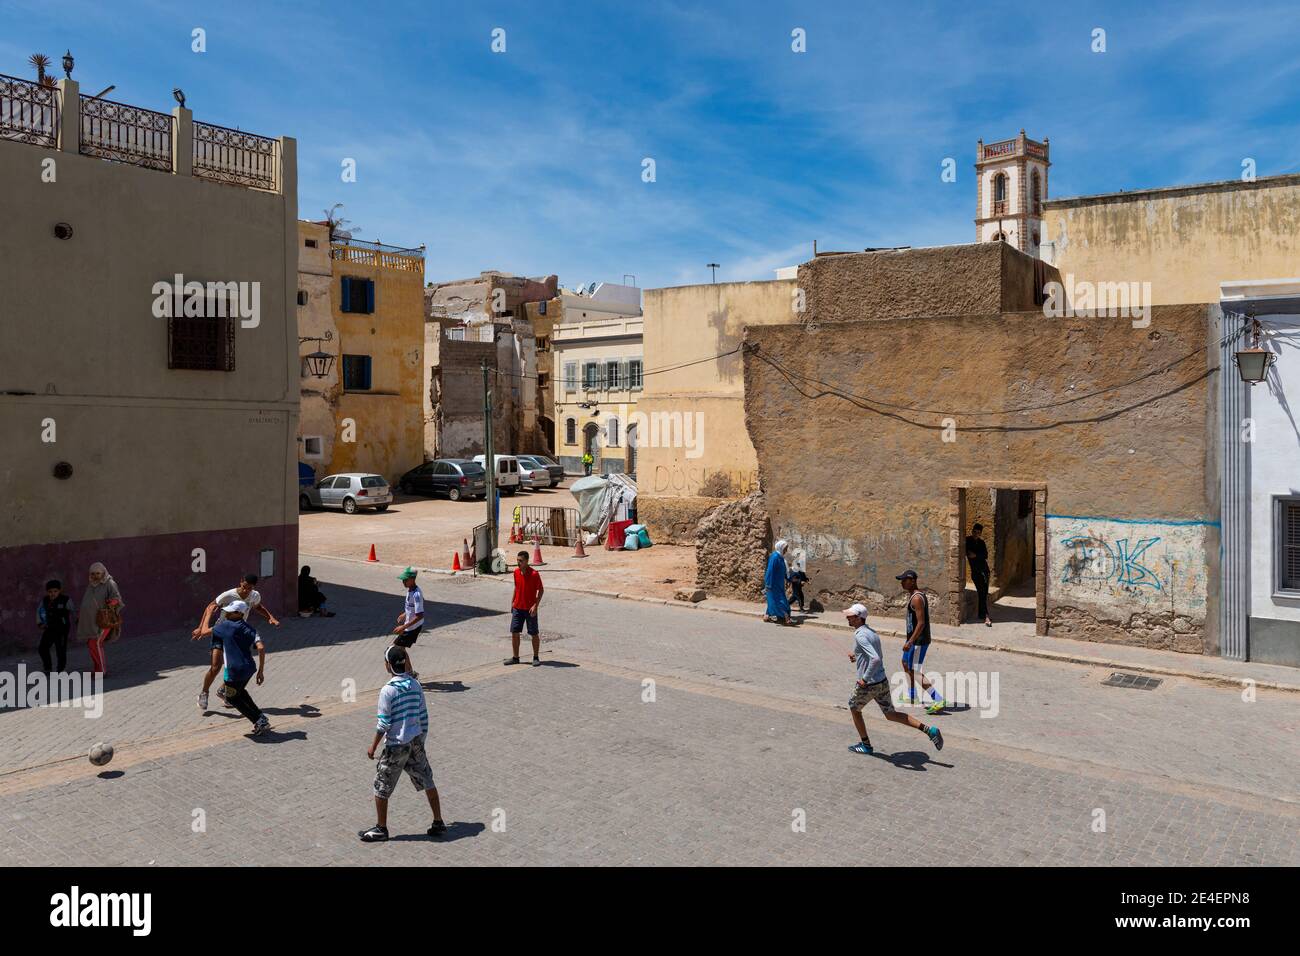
[350, 491]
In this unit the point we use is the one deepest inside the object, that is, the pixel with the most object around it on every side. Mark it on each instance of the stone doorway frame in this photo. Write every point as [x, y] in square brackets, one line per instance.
[957, 489]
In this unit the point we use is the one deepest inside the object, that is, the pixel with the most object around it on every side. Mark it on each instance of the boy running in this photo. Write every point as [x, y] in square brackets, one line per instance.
[404, 727]
[244, 592]
[411, 621]
[238, 641]
[523, 609]
[918, 642]
[873, 685]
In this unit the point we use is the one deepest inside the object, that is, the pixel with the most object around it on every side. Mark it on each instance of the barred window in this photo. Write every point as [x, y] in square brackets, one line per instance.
[1288, 537]
[356, 373]
[202, 343]
[570, 432]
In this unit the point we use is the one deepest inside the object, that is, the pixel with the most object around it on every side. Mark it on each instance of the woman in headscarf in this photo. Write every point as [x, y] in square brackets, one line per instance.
[100, 620]
[778, 605]
[310, 598]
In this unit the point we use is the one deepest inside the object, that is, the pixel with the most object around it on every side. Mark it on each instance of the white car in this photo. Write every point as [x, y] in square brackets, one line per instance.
[533, 476]
[507, 477]
[351, 491]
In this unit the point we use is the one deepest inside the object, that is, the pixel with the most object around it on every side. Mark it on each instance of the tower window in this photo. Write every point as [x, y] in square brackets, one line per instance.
[1000, 194]
[1036, 194]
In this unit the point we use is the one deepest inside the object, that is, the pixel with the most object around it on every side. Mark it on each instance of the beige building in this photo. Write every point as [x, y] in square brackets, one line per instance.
[362, 303]
[598, 375]
[1183, 240]
[148, 427]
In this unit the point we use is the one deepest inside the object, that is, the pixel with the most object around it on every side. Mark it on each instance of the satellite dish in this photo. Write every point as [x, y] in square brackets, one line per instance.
[591, 288]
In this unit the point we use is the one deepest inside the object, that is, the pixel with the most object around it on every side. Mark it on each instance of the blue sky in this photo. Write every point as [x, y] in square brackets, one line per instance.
[530, 160]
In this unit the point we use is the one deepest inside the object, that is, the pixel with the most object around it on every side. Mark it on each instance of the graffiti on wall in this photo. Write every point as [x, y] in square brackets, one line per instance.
[1127, 564]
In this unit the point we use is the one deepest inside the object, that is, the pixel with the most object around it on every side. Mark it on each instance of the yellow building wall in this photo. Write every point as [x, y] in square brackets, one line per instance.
[709, 453]
[388, 419]
[1183, 240]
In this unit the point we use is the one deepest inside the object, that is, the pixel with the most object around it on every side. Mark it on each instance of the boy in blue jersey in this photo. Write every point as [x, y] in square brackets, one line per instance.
[403, 725]
[238, 641]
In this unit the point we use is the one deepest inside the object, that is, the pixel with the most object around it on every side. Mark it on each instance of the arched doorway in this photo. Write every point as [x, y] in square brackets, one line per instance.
[589, 446]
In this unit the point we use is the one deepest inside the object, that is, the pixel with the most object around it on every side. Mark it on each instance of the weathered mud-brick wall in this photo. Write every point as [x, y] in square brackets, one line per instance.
[735, 540]
[1112, 420]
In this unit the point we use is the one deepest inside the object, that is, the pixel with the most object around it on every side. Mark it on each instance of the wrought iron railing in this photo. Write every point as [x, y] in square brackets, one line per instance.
[126, 134]
[29, 112]
[231, 156]
[377, 254]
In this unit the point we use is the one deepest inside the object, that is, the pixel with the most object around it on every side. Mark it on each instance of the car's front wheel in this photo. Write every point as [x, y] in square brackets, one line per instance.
[349, 506]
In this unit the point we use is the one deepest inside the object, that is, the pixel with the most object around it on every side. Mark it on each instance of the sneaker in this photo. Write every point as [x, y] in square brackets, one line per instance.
[203, 701]
[861, 748]
[221, 695]
[936, 737]
[438, 828]
[537, 662]
[374, 835]
[936, 706]
[510, 660]
[262, 725]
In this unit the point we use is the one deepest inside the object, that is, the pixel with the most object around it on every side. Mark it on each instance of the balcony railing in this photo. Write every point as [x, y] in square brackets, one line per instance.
[377, 254]
[29, 112]
[126, 134]
[231, 156]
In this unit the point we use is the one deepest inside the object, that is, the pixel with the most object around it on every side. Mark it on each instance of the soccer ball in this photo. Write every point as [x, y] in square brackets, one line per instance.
[101, 754]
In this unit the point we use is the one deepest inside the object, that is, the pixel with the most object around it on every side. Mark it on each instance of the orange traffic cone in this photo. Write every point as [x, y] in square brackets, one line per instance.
[372, 554]
[579, 551]
[455, 560]
[537, 554]
[464, 550]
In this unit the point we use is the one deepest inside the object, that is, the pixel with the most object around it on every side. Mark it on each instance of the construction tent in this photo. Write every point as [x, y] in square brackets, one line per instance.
[602, 499]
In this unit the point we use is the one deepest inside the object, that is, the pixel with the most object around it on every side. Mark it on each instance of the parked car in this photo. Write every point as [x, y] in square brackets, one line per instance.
[456, 478]
[351, 491]
[554, 470]
[533, 474]
[507, 472]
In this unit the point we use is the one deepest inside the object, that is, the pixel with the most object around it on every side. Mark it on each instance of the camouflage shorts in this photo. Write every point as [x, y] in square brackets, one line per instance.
[865, 693]
[394, 759]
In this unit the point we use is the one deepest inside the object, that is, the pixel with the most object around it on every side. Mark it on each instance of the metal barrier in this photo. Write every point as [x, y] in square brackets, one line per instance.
[550, 526]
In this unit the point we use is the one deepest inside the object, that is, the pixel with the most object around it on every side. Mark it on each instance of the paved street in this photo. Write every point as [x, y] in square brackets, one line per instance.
[744, 740]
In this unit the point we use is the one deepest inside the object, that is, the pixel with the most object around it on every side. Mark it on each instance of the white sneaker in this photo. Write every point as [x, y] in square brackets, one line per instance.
[203, 701]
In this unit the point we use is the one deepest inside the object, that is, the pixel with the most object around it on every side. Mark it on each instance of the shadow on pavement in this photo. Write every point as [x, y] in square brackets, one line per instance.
[455, 831]
[445, 687]
[361, 615]
[912, 760]
[274, 736]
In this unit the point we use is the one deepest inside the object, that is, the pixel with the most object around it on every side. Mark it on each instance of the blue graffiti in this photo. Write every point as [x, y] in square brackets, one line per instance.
[1095, 560]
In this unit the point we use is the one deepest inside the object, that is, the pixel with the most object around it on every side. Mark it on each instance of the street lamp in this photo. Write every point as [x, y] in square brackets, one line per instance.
[68, 64]
[318, 363]
[1253, 363]
[713, 268]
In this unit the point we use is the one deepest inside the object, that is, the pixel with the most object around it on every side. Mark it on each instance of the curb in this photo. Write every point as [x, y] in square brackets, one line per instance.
[1060, 657]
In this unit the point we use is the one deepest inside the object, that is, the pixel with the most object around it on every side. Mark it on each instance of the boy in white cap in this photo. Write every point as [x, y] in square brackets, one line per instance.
[238, 641]
[873, 684]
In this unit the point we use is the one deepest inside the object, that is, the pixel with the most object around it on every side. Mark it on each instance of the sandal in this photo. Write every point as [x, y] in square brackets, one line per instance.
[375, 834]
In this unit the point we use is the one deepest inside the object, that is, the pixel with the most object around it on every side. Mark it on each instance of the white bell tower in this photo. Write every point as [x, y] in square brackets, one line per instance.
[1011, 179]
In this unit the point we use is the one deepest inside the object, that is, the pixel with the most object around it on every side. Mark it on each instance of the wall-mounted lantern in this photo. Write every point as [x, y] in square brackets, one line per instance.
[318, 363]
[1253, 363]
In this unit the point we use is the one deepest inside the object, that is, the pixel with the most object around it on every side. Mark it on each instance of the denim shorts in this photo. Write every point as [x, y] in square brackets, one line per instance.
[519, 617]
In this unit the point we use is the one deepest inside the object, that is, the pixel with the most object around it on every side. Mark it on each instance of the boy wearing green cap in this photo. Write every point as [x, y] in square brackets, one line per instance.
[411, 621]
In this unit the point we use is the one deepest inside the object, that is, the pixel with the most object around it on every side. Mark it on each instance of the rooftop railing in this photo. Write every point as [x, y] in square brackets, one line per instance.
[59, 117]
[377, 254]
[29, 112]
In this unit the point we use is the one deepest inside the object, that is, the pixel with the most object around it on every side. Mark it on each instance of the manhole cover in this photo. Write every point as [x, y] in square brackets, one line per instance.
[1134, 681]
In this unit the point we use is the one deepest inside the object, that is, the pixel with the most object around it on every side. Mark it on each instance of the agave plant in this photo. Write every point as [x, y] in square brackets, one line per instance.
[41, 62]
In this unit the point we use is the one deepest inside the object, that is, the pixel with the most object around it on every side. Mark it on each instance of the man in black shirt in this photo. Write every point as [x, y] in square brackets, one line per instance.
[977, 553]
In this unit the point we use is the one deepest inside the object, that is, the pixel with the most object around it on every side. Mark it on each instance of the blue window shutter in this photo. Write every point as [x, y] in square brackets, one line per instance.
[370, 295]
[347, 295]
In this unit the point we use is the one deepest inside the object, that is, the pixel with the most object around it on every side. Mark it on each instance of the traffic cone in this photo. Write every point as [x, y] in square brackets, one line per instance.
[372, 554]
[455, 560]
[579, 551]
[537, 553]
[464, 550]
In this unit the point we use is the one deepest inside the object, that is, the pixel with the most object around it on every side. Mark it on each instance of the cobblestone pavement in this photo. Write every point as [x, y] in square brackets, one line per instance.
[740, 758]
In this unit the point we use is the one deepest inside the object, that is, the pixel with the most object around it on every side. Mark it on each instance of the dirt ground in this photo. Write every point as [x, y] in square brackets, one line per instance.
[426, 532]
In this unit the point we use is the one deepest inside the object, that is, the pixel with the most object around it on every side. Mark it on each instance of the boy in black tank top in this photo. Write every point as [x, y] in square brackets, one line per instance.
[917, 643]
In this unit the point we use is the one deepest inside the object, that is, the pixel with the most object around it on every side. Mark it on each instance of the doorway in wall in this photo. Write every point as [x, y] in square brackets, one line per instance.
[1013, 515]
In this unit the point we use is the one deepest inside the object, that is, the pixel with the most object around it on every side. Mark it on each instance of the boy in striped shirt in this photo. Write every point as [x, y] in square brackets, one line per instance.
[403, 725]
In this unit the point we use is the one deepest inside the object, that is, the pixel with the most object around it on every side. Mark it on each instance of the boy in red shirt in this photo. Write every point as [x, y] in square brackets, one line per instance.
[523, 609]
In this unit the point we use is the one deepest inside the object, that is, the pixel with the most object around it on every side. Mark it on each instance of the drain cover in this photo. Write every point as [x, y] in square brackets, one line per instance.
[1135, 681]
